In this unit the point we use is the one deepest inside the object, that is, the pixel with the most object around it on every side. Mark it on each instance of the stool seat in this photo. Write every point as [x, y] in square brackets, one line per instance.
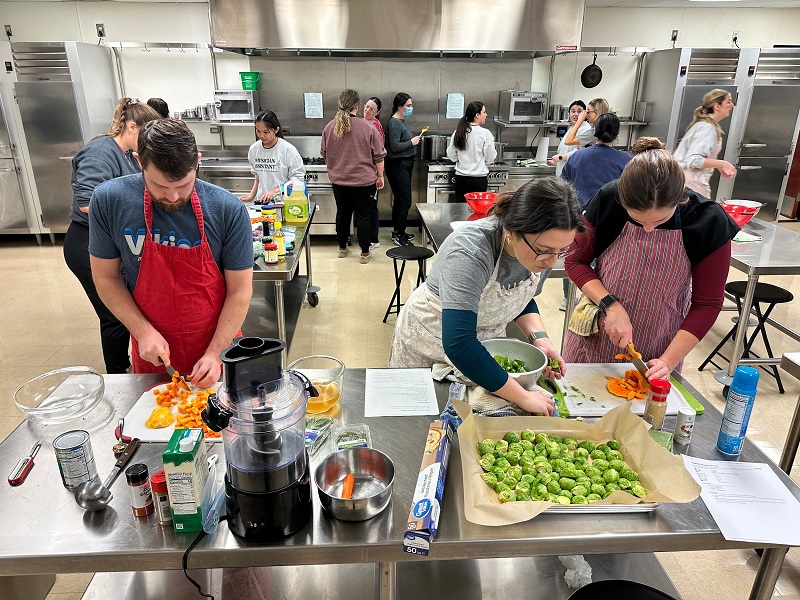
[765, 292]
[409, 253]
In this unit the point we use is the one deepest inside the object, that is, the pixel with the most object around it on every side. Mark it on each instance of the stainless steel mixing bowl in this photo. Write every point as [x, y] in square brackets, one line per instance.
[374, 475]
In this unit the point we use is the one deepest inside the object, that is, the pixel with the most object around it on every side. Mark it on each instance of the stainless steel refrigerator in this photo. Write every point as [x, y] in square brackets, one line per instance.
[13, 213]
[66, 94]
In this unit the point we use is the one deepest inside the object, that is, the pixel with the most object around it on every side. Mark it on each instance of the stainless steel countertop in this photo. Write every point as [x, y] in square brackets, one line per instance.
[46, 532]
[241, 165]
[778, 252]
[506, 165]
[284, 270]
[790, 363]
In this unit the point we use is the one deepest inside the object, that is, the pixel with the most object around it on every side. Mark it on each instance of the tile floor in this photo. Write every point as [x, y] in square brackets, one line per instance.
[48, 323]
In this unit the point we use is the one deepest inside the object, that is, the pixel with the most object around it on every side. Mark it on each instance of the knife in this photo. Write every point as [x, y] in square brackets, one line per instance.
[171, 372]
[637, 362]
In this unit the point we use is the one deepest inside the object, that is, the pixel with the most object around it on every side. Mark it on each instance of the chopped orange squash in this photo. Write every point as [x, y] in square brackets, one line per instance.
[631, 387]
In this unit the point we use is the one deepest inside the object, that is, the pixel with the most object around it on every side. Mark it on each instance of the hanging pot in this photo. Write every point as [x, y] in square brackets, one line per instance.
[592, 75]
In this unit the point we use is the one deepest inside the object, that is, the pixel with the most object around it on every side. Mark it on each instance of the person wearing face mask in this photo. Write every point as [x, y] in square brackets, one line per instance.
[578, 135]
[471, 148]
[400, 152]
[172, 257]
[372, 113]
[272, 160]
[564, 149]
[484, 276]
[663, 254]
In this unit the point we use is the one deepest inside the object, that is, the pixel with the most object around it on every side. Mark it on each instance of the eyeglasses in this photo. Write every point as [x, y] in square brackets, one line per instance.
[542, 256]
[588, 110]
[368, 107]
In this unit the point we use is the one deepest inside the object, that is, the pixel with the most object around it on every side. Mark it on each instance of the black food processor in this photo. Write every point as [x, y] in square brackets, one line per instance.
[261, 411]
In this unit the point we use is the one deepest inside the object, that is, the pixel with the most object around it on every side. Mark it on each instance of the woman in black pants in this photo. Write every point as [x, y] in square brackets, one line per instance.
[105, 157]
[400, 164]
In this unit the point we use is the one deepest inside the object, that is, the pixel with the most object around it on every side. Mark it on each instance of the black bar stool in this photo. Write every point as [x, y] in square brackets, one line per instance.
[765, 293]
[403, 254]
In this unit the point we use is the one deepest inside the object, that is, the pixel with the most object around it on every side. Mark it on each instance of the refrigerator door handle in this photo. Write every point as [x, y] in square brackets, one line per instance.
[754, 145]
[749, 168]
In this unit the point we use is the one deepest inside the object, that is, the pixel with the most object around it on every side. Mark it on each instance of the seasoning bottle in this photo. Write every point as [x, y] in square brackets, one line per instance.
[271, 253]
[139, 488]
[657, 403]
[279, 238]
[158, 482]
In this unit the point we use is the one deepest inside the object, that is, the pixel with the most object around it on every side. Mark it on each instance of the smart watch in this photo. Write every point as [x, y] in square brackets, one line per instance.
[607, 301]
[537, 335]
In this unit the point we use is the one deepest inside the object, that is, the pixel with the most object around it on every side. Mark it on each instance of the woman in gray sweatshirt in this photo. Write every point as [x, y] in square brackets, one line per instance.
[400, 143]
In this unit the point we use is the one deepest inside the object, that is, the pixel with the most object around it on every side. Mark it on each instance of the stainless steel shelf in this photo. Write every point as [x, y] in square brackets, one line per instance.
[508, 125]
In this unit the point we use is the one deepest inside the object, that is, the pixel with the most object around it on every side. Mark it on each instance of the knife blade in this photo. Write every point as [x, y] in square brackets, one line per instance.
[171, 372]
[637, 362]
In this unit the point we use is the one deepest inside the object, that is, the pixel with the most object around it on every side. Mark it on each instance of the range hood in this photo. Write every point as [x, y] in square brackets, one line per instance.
[460, 26]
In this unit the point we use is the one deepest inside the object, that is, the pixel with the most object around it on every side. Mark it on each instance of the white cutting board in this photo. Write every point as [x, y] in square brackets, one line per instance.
[590, 381]
[141, 411]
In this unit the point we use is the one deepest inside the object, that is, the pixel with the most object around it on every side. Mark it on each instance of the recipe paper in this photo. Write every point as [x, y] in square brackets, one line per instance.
[312, 105]
[748, 501]
[454, 107]
[399, 393]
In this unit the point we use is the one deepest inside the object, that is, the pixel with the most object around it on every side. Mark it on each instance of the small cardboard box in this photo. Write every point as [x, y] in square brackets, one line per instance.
[186, 469]
[423, 519]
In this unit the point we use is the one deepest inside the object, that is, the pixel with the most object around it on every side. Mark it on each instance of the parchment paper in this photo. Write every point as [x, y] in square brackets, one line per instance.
[661, 472]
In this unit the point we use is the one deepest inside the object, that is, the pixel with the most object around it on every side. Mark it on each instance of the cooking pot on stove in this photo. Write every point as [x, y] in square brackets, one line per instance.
[434, 147]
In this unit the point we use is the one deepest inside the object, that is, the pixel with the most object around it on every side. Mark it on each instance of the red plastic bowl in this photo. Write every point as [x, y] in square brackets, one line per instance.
[741, 211]
[480, 202]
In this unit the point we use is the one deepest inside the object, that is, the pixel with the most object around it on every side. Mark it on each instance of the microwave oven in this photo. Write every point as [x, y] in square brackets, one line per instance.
[234, 105]
[523, 107]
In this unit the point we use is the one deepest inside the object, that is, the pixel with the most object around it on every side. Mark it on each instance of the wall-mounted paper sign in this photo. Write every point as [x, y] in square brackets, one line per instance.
[312, 105]
[455, 106]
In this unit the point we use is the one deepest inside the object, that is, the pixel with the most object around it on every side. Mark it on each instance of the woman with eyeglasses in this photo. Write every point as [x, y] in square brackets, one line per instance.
[372, 112]
[578, 136]
[564, 149]
[484, 276]
[663, 254]
[103, 158]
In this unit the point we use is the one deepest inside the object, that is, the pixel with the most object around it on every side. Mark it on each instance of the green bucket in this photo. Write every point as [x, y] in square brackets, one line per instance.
[249, 80]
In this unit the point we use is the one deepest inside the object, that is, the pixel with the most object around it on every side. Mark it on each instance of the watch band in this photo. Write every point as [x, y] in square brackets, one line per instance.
[607, 301]
[537, 335]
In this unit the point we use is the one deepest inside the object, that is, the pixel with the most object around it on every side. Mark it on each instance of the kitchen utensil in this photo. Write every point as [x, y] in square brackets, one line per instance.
[480, 202]
[20, 472]
[434, 147]
[325, 373]
[591, 75]
[60, 395]
[373, 472]
[555, 112]
[741, 211]
[637, 362]
[211, 111]
[189, 114]
[202, 112]
[534, 359]
[118, 432]
[171, 372]
[424, 129]
[558, 395]
[91, 495]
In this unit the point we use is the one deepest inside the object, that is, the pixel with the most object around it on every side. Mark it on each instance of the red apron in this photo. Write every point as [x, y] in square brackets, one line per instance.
[652, 276]
[180, 291]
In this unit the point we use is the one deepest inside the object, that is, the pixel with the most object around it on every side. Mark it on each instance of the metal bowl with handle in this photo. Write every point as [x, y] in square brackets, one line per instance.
[374, 476]
[534, 359]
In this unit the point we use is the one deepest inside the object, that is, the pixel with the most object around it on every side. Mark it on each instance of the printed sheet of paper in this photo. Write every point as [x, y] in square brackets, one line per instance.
[454, 108]
[399, 392]
[747, 500]
[312, 105]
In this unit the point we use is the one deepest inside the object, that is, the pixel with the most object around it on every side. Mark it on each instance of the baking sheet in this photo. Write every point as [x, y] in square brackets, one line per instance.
[586, 381]
[139, 413]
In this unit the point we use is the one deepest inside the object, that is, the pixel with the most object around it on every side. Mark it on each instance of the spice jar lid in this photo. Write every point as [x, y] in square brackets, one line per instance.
[660, 386]
[158, 482]
[270, 246]
[136, 473]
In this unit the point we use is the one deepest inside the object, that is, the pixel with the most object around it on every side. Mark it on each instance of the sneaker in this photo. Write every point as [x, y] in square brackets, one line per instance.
[401, 239]
[343, 252]
[374, 245]
[563, 307]
[365, 258]
[409, 236]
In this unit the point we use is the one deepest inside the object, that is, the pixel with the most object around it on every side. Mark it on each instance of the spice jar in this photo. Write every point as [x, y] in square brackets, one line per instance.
[139, 488]
[657, 403]
[158, 482]
[271, 253]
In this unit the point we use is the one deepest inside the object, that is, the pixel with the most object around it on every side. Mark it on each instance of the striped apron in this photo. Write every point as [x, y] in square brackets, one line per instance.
[652, 276]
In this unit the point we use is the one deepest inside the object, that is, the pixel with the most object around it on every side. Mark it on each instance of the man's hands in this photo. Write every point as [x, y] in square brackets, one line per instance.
[206, 371]
[618, 326]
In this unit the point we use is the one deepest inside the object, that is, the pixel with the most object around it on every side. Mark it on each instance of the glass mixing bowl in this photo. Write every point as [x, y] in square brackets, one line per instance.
[60, 395]
[325, 373]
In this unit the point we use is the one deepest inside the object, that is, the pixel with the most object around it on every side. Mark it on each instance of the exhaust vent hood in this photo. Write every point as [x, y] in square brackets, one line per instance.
[459, 26]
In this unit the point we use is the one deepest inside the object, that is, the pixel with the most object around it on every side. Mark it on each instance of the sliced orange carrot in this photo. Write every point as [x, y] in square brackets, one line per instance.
[347, 486]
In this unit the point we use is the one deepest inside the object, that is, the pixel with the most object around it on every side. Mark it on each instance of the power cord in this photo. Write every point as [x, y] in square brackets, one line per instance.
[185, 561]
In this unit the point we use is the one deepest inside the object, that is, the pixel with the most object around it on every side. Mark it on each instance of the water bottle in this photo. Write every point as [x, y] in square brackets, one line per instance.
[739, 404]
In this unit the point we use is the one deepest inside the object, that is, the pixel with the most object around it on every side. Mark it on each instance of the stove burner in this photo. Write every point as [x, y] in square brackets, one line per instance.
[317, 160]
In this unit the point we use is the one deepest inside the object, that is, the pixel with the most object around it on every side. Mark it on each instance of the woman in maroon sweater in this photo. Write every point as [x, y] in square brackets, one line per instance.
[662, 253]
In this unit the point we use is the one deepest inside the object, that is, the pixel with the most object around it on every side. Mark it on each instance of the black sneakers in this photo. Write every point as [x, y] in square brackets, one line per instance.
[402, 239]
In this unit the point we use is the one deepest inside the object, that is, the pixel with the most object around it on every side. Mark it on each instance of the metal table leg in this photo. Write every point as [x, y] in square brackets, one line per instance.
[280, 315]
[571, 293]
[311, 289]
[26, 587]
[767, 575]
[726, 378]
[792, 441]
[387, 580]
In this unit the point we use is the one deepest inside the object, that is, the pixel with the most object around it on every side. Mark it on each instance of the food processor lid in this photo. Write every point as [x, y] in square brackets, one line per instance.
[268, 400]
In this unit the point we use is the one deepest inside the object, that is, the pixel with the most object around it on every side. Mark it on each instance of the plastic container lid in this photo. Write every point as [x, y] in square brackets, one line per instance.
[136, 473]
[158, 482]
[660, 387]
[745, 380]
[186, 444]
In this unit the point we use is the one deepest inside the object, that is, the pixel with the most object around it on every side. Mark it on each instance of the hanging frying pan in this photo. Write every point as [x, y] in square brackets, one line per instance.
[591, 75]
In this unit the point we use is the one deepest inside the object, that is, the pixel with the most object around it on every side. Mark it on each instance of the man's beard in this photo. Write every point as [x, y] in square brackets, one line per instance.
[170, 207]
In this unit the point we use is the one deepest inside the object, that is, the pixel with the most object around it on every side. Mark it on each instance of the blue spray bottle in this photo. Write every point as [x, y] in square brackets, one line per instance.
[738, 406]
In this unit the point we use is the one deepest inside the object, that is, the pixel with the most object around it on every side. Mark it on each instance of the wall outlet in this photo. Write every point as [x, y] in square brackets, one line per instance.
[9, 33]
[735, 37]
[674, 36]
[101, 30]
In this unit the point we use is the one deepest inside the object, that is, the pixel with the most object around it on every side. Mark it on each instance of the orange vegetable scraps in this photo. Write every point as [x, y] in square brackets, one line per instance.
[631, 387]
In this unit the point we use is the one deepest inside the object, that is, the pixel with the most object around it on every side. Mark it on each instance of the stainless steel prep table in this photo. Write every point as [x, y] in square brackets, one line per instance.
[776, 254]
[45, 531]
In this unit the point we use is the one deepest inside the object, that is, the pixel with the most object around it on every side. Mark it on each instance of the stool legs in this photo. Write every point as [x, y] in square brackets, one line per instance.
[394, 303]
[421, 273]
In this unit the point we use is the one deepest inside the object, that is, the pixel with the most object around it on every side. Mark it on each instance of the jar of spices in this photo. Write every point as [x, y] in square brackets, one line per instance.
[139, 488]
[656, 406]
[158, 483]
[271, 253]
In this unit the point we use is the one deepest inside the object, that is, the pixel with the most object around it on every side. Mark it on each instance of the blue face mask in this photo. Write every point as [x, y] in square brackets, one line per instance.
[409, 111]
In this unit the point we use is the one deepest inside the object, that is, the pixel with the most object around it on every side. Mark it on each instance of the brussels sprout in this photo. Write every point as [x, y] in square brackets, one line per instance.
[562, 499]
[571, 442]
[544, 468]
[524, 486]
[516, 447]
[580, 462]
[581, 468]
[525, 462]
[568, 458]
[515, 472]
[629, 474]
[486, 446]
[541, 438]
[638, 490]
[583, 480]
[579, 490]
[566, 483]
[613, 444]
[553, 451]
[502, 487]
[593, 498]
[544, 478]
[528, 470]
[523, 496]
[597, 489]
[527, 446]
[540, 449]
[490, 480]
[587, 445]
[513, 457]
[511, 482]
[601, 464]
[527, 478]
[598, 480]
[528, 435]
[553, 487]
[529, 454]
[565, 494]
[499, 453]
[564, 448]
[612, 487]
[592, 471]
[555, 438]
[502, 463]
[579, 500]
[507, 496]
[623, 484]
[611, 476]
[570, 472]
[540, 459]
[603, 448]
[581, 453]
[539, 490]
[501, 446]
[559, 464]
[617, 465]
[613, 455]
[596, 454]
[511, 437]
[498, 472]
[487, 462]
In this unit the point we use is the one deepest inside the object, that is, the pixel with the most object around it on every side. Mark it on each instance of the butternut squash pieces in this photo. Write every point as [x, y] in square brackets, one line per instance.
[631, 387]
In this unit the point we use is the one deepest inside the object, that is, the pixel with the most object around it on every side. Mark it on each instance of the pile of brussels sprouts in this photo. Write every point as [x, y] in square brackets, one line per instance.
[551, 468]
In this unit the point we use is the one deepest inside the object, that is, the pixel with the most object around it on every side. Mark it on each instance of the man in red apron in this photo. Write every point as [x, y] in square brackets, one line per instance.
[172, 257]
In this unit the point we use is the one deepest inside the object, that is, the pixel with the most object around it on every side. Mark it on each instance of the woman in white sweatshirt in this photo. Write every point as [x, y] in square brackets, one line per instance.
[472, 149]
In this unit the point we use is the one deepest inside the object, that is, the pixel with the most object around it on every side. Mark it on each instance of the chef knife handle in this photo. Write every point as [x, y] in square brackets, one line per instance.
[127, 453]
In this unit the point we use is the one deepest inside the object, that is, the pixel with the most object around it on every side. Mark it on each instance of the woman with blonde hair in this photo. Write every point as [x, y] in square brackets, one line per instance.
[580, 136]
[353, 151]
[698, 150]
[105, 157]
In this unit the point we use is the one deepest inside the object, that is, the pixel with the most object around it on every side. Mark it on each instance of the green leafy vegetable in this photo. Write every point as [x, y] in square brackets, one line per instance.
[511, 365]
